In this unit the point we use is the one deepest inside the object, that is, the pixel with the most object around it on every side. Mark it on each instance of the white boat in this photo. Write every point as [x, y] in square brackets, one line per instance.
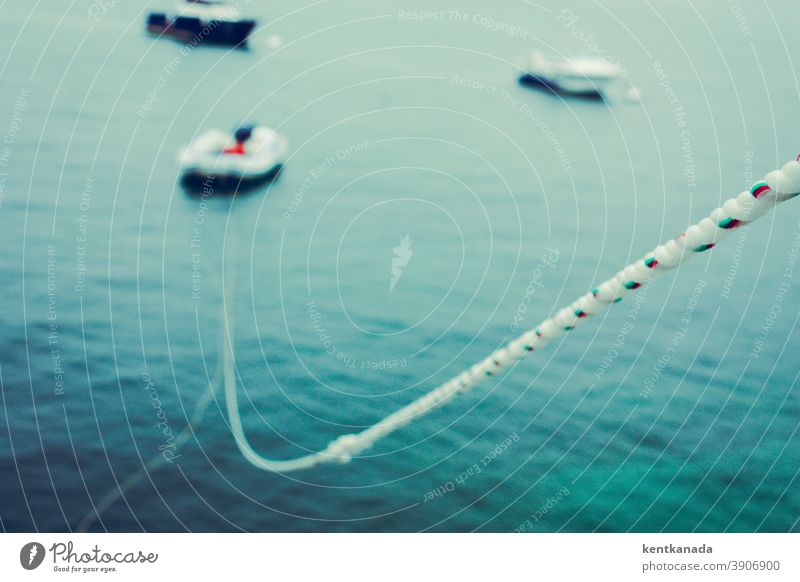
[585, 76]
[204, 162]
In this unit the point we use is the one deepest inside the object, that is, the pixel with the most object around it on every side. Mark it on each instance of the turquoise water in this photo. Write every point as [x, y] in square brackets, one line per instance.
[677, 410]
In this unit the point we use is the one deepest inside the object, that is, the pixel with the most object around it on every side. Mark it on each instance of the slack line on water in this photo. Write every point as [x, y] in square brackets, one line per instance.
[777, 187]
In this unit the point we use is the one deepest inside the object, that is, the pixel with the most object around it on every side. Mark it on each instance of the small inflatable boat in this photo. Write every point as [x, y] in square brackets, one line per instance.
[204, 163]
[202, 21]
[579, 76]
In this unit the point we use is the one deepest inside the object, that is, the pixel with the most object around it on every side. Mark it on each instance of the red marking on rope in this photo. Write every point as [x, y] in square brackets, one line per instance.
[704, 247]
[731, 223]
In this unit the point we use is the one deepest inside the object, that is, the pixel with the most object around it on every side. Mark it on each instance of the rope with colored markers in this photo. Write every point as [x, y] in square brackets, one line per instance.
[776, 187]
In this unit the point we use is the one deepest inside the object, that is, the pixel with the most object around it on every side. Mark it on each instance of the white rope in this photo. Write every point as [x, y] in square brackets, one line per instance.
[778, 186]
[231, 392]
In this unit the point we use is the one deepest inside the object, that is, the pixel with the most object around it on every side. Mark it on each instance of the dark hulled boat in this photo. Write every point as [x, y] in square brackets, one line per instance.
[202, 21]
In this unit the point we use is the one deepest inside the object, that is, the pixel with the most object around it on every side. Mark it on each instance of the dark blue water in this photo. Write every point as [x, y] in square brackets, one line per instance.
[677, 410]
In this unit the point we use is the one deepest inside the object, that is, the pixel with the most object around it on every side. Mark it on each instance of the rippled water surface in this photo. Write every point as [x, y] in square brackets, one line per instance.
[676, 410]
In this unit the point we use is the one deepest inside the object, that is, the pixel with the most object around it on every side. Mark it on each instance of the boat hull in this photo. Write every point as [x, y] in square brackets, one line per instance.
[584, 89]
[196, 181]
[196, 30]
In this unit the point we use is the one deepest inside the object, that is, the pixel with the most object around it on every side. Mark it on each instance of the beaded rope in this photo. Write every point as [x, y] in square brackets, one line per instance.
[778, 186]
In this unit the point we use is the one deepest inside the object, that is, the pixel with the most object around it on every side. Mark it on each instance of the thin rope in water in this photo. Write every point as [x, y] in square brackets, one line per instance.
[147, 470]
[776, 187]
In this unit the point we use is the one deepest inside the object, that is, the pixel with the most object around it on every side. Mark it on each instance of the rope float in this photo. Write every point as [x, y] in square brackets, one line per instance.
[778, 186]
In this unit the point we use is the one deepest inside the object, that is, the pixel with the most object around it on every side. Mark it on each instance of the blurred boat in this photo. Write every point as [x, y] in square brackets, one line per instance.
[205, 164]
[202, 21]
[580, 76]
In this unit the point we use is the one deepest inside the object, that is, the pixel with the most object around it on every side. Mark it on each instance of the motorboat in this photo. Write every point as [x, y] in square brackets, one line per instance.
[580, 76]
[202, 21]
[207, 162]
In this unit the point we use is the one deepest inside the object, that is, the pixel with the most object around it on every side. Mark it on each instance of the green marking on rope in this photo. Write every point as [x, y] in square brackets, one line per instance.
[595, 291]
[759, 188]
